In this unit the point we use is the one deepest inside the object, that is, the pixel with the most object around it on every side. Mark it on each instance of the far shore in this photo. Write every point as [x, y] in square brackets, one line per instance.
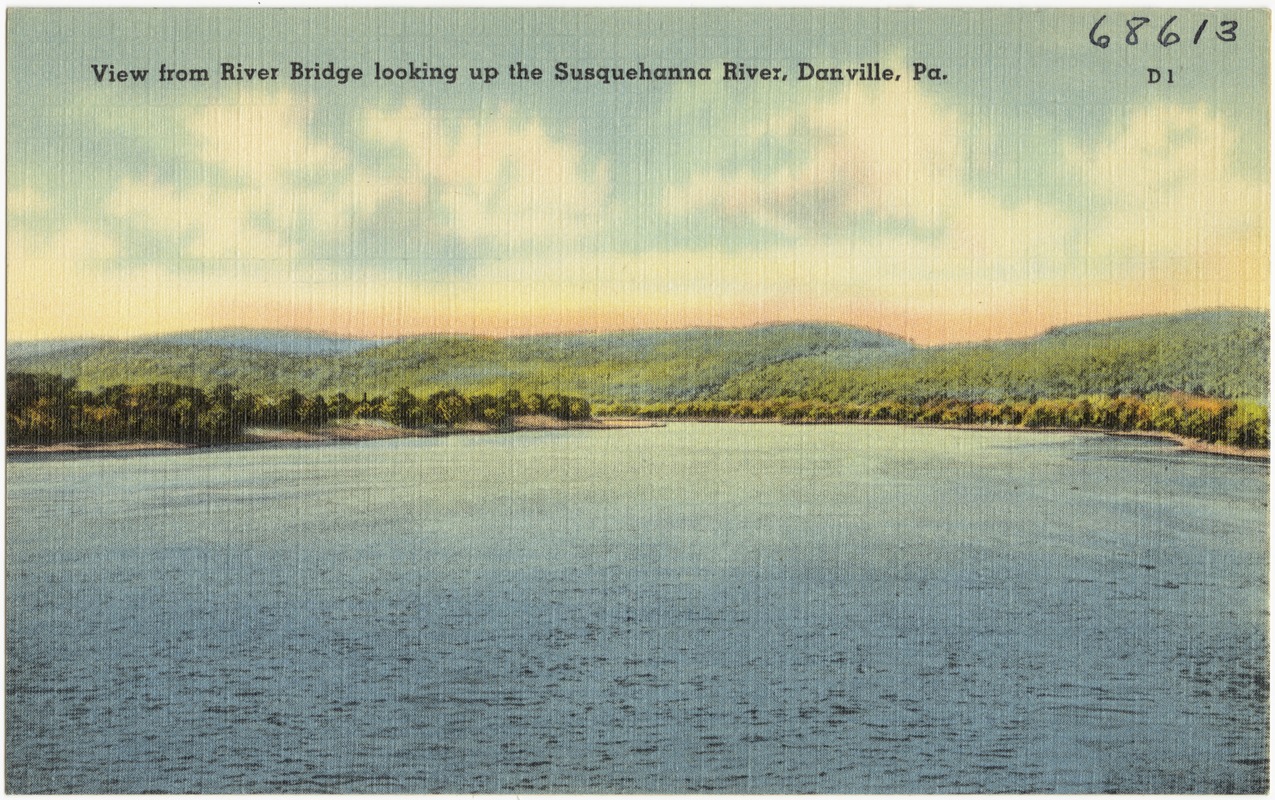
[1185, 442]
[1200, 446]
[345, 431]
[373, 430]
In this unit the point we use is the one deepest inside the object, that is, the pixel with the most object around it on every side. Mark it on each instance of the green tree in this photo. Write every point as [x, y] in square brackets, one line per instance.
[403, 408]
[341, 406]
[447, 408]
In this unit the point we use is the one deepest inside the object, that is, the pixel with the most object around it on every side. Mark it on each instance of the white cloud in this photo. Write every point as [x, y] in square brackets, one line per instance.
[1168, 198]
[26, 200]
[206, 223]
[497, 177]
[876, 207]
[266, 188]
[1157, 216]
[879, 225]
[275, 189]
[891, 154]
[44, 275]
[262, 137]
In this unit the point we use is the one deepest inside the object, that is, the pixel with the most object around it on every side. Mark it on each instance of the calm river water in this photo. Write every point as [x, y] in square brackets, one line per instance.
[729, 608]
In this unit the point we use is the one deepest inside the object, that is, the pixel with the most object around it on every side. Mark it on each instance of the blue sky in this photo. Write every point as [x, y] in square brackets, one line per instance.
[1043, 181]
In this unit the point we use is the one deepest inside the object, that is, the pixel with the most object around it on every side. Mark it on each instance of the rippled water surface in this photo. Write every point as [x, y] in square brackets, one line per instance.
[732, 608]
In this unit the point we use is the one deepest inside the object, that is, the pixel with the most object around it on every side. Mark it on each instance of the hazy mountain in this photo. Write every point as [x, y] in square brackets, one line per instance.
[632, 365]
[1215, 353]
[1219, 353]
[43, 347]
[270, 341]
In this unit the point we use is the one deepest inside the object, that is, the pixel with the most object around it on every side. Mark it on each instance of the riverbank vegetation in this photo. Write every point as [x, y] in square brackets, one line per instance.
[44, 409]
[1200, 375]
[1239, 423]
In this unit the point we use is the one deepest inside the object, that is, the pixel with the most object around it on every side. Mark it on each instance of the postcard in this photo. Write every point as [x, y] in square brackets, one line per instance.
[658, 401]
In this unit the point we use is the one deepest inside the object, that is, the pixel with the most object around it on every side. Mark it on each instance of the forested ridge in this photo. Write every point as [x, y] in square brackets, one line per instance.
[633, 365]
[1215, 354]
[1210, 354]
[1202, 374]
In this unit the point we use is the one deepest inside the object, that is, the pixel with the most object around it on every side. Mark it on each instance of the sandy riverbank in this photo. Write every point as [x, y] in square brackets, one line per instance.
[1185, 442]
[93, 447]
[370, 430]
[346, 431]
[541, 422]
[1199, 445]
[373, 430]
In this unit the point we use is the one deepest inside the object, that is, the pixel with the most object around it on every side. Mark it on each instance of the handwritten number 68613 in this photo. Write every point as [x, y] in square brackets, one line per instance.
[1167, 37]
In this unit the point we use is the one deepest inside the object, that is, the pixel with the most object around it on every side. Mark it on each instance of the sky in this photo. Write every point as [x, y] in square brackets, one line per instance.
[1042, 181]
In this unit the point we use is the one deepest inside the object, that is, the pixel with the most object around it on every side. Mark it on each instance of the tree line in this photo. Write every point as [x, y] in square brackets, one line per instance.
[46, 409]
[1242, 423]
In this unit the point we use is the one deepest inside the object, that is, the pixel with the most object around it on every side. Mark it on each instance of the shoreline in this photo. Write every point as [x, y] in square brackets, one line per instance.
[365, 431]
[1184, 442]
[359, 431]
[1199, 445]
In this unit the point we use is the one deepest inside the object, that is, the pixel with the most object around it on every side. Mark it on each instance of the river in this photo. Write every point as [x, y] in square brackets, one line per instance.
[702, 607]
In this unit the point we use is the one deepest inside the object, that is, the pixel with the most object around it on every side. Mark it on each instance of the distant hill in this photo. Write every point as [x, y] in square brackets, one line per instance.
[288, 342]
[631, 366]
[285, 342]
[44, 347]
[1213, 353]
